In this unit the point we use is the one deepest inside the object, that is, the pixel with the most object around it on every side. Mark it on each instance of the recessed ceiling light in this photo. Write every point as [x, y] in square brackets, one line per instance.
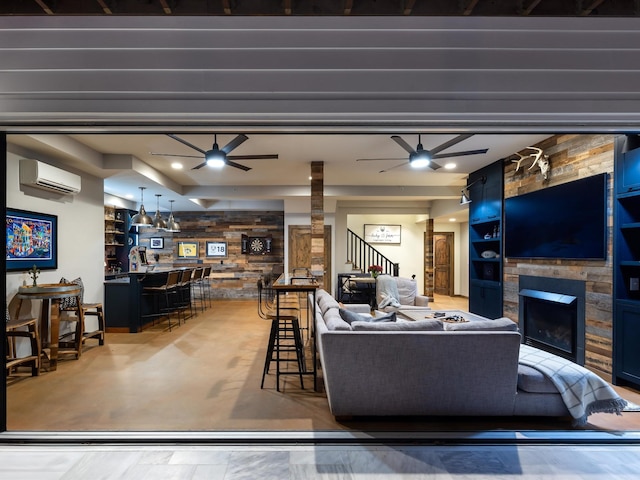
[129, 195]
[176, 166]
[450, 166]
[452, 219]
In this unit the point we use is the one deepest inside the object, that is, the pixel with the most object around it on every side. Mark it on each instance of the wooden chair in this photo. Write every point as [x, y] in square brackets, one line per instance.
[91, 309]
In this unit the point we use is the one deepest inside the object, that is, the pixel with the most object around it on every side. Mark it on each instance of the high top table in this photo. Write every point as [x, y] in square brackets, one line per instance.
[298, 283]
[49, 323]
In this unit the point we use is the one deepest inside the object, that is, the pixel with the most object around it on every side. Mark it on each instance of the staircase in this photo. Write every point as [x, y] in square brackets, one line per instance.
[361, 254]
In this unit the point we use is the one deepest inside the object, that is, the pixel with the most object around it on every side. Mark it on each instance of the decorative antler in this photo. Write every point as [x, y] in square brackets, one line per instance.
[541, 160]
[519, 161]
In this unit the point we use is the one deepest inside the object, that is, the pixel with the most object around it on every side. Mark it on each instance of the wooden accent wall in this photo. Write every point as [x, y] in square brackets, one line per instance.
[572, 157]
[317, 220]
[237, 275]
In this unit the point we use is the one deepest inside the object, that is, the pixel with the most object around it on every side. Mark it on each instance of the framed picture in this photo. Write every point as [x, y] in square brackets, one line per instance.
[217, 249]
[31, 239]
[382, 234]
[156, 242]
[187, 249]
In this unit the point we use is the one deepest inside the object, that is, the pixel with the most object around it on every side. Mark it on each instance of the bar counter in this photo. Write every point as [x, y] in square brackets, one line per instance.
[123, 300]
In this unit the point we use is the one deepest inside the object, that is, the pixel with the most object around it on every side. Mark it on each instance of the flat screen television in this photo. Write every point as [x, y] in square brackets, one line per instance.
[567, 221]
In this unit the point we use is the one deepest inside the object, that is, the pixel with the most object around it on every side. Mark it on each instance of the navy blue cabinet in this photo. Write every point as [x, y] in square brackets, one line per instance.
[626, 262]
[485, 240]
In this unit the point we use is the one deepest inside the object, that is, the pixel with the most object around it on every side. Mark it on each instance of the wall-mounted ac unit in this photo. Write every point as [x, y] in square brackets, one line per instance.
[47, 177]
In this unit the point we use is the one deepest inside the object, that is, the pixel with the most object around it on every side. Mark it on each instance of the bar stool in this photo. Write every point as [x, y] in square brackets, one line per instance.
[284, 338]
[205, 285]
[164, 298]
[92, 309]
[184, 291]
[196, 285]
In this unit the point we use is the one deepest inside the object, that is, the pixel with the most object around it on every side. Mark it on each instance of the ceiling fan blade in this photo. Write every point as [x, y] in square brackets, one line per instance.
[450, 143]
[199, 166]
[395, 166]
[184, 142]
[402, 143]
[461, 154]
[234, 143]
[434, 166]
[175, 155]
[254, 157]
[237, 165]
[376, 159]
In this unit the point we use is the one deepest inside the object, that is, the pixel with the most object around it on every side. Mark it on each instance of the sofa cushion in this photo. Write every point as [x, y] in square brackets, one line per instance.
[326, 301]
[532, 381]
[502, 324]
[334, 321]
[350, 317]
[420, 325]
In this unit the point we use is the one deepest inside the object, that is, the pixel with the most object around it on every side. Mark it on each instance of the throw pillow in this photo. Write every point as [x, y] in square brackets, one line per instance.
[70, 302]
[350, 317]
[421, 325]
[502, 324]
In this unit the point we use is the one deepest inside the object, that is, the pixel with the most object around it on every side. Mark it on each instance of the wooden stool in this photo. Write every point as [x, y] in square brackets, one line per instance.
[94, 309]
[32, 334]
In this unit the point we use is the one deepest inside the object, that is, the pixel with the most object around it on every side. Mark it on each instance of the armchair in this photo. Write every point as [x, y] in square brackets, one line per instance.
[399, 293]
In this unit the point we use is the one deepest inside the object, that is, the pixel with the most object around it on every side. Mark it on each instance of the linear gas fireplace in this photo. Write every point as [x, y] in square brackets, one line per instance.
[552, 315]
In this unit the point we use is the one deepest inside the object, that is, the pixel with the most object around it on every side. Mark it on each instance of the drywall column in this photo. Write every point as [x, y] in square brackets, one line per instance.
[428, 260]
[317, 221]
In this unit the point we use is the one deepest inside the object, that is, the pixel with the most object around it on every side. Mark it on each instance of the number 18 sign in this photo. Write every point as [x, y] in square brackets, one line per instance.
[217, 249]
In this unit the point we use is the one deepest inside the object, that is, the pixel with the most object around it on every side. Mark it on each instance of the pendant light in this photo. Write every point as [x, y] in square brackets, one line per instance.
[141, 219]
[172, 225]
[158, 222]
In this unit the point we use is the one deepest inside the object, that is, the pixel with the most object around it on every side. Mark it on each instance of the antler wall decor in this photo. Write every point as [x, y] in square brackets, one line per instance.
[539, 159]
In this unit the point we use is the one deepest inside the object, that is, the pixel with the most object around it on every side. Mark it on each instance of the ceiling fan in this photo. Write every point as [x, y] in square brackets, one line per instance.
[421, 158]
[218, 157]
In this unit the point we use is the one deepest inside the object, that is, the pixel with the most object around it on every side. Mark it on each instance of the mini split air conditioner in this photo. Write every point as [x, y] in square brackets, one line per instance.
[47, 177]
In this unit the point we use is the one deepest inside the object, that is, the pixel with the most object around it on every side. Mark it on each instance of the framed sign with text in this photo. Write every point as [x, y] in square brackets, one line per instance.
[382, 234]
[217, 249]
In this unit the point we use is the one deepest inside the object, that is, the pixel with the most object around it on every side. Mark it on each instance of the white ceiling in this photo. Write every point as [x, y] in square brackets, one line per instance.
[346, 178]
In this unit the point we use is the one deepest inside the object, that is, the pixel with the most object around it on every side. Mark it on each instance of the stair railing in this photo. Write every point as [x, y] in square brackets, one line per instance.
[361, 255]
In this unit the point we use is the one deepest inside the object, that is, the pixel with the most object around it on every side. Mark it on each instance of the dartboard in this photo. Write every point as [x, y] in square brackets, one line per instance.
[256, 245]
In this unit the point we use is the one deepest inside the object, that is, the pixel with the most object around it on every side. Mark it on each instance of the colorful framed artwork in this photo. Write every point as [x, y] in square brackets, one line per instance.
[217, 249]
[382, 233]
[31, 239]
[187, 249]
[156, 242]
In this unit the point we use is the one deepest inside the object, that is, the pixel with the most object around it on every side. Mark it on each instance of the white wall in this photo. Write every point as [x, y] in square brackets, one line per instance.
[80, 231]
[409, 253]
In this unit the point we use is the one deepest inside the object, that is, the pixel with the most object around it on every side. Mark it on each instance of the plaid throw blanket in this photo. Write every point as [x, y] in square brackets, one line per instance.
[583, 391]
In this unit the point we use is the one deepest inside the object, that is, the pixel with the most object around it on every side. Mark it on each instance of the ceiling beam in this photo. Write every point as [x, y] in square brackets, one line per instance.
[44, 7]
[408, 7]
[104, 7]
[587, 11]
[165, 7]
[470, 6]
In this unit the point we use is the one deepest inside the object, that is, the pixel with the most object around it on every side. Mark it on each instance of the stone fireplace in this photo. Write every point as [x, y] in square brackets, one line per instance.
[552, 315]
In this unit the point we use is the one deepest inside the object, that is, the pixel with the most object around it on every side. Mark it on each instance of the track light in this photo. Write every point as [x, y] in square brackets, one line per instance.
[141, 219]
[464, 198]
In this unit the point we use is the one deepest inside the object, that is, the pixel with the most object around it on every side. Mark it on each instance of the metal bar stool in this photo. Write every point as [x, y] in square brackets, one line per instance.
[196, 285]
[164, 298]
[284, 337]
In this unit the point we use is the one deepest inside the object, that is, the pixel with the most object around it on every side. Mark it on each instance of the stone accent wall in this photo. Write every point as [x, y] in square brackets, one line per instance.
[572, 157]
[237, 275]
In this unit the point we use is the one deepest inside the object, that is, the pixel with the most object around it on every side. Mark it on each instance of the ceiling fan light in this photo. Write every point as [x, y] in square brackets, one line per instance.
[421, 159]
[215, 158]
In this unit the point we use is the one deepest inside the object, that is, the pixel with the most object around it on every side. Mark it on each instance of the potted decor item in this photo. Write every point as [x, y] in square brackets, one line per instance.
[375, 270]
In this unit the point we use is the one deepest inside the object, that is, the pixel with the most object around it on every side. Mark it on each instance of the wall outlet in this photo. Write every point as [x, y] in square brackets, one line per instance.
[634, 284]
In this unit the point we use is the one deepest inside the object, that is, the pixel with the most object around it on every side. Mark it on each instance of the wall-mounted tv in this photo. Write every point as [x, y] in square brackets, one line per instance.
[567, 221]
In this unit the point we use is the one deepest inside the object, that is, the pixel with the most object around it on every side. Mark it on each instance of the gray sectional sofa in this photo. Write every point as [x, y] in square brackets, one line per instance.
[418, 368]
